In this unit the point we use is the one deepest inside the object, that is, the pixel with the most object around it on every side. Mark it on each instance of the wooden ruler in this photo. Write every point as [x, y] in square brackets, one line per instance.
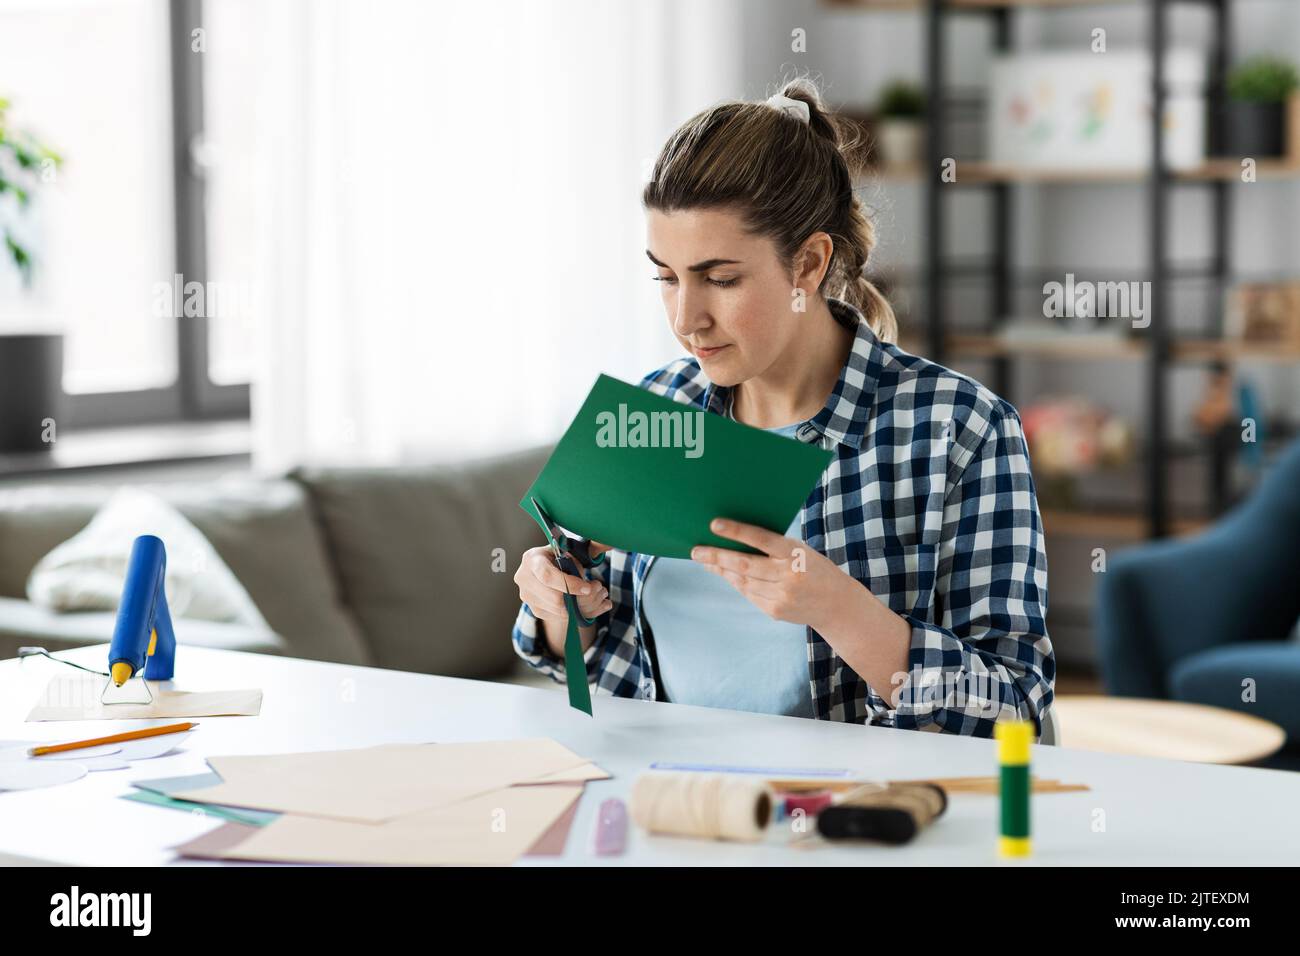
[988, 785]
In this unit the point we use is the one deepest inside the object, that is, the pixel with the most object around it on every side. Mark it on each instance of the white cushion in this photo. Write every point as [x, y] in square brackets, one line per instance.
[86, 572]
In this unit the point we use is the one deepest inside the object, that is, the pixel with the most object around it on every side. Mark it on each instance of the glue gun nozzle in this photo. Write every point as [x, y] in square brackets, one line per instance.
[121, 673]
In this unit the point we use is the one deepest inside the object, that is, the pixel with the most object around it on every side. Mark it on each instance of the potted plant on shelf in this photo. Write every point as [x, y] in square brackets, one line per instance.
[901, 110]
[31, 360]
[1256, 114]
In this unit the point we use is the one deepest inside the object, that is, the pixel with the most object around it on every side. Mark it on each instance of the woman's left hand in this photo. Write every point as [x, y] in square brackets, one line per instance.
[790, 581]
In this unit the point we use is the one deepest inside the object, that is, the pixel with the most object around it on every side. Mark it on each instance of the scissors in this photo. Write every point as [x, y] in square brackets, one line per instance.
[572, 556]
[572, 553]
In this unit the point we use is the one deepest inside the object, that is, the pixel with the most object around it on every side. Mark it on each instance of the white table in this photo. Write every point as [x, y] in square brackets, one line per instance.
[1155, 812]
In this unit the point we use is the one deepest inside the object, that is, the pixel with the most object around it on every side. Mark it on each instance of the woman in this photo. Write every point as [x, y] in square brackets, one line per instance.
[911, 590]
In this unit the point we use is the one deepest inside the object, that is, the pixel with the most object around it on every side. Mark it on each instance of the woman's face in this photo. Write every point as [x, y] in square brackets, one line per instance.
[726, 293]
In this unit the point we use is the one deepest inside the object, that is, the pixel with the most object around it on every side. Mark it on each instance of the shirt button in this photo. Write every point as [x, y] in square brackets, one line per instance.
[806, 430]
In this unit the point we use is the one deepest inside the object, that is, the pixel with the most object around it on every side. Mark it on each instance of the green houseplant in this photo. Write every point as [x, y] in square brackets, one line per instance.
[901, 111]
[31, 363]
[1256, 113]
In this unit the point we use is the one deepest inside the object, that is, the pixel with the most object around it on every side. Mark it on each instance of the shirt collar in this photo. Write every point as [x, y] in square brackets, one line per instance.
[845, 414]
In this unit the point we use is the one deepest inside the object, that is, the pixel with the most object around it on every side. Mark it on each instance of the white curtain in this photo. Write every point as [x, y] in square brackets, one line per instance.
[449, 234]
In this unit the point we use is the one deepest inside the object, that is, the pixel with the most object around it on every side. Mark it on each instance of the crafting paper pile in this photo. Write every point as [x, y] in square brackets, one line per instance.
[415, 804]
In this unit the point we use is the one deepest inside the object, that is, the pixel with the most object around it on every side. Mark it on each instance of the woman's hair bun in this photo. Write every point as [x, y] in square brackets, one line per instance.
[820, 121]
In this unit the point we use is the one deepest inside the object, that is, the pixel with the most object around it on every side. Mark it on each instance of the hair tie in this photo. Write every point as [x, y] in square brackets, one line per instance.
[796, 108]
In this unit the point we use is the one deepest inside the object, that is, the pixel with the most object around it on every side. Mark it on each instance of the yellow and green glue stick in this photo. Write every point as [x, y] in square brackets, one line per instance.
[1014, 738]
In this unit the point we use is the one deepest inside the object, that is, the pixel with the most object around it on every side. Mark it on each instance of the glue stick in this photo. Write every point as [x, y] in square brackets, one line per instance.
[1014, 738]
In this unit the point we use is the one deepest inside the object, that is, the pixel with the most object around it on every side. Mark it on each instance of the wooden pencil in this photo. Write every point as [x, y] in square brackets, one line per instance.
[112, 738]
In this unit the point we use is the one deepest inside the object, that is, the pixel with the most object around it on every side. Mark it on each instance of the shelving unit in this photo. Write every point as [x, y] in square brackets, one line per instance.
[1099, 347]
[1158, 348]
[974, 4]
[1111, 525]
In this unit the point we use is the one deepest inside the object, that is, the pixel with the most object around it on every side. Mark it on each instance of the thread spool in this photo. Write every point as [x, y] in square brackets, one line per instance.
[892, 814]
[711, 806]
[810, 804]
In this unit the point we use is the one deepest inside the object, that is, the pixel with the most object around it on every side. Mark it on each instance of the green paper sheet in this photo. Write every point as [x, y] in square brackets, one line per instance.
[601, 483]
[643, 473]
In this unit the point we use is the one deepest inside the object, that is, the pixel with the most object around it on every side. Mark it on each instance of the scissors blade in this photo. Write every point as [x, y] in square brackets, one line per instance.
[557, 530]
[553, 530]
[551, 526]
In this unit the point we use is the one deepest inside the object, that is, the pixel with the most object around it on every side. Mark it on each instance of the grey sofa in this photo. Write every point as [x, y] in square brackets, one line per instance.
[394, 568]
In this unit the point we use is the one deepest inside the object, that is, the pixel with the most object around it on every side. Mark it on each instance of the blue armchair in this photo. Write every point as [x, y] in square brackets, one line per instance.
[1191, 619]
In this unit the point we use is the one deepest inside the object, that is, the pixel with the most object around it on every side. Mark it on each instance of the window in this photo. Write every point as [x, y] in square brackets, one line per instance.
[114, 87]
[230, 108]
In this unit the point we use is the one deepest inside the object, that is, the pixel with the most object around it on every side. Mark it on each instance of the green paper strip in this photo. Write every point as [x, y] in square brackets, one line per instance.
[579, 692]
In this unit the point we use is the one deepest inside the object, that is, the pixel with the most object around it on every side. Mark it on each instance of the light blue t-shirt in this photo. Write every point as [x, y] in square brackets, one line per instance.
[715, 649]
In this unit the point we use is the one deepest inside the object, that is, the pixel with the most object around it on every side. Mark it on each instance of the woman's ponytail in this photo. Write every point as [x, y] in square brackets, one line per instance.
[859, 238]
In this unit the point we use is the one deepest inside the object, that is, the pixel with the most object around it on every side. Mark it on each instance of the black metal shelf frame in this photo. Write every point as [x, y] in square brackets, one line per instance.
[1158, 184]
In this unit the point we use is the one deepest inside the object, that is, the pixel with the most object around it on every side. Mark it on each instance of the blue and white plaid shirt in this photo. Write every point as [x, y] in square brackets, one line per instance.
[929, 503]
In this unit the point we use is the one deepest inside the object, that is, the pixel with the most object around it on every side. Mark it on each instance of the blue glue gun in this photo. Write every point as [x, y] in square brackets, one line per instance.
[143, 638]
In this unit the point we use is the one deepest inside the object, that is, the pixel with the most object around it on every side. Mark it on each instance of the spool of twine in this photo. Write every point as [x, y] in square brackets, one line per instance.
[712, 806]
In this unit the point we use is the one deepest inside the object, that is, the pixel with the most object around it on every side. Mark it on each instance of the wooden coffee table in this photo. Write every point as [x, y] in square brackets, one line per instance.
[1165, 728]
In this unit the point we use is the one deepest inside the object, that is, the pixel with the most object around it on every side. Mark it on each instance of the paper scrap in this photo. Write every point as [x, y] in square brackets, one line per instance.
[169, 785]
[552, 842]
[147, 748]
[250, 817]
[101, 763]
[77, 698]
[81, 753]
[210, 845]
[33, 772]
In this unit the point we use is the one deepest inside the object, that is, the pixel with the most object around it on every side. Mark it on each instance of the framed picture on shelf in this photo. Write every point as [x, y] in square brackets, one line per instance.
[1060, 110]
[1265, 314]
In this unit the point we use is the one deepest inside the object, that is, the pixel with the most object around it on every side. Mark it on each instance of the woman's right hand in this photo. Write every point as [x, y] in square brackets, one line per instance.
[542, 587]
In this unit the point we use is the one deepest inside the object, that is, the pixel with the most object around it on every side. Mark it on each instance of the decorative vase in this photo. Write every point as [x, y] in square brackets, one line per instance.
[900, 142]
[1256, 128]
[31, 391]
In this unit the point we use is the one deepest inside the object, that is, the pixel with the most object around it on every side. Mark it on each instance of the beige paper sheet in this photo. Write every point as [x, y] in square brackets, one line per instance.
[77, 698]
[290, 763]
[577, 775]
[374, 784]
[493, 828]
